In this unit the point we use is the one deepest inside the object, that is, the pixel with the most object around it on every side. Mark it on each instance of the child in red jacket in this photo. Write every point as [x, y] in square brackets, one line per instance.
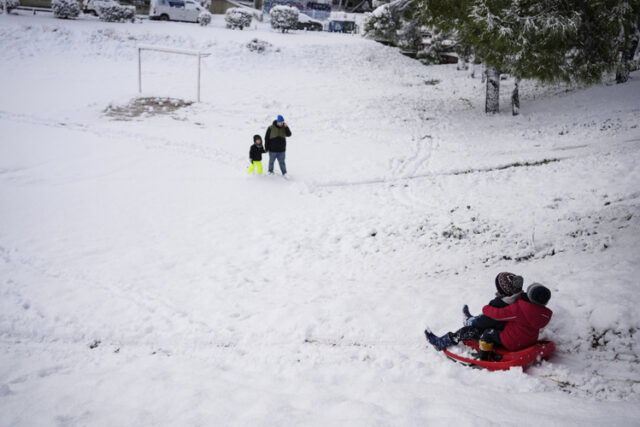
[508, 291]
[523, 321]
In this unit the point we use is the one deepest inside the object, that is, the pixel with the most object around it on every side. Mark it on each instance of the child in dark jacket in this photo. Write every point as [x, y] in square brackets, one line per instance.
[509, 289]
[522, 323]
[255, 154]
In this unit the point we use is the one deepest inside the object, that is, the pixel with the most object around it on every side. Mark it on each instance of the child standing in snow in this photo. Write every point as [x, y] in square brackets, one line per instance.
[522, 323]
[255, 155]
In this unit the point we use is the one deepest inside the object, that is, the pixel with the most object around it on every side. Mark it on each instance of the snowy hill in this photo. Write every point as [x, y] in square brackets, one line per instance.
[145, 279]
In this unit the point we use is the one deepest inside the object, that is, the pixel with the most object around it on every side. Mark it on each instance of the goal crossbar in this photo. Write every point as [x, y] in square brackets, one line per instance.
[190, 52]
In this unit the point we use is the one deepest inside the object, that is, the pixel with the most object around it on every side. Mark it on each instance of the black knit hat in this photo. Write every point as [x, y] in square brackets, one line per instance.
[508, 284]
[538, 294]
[257, 137]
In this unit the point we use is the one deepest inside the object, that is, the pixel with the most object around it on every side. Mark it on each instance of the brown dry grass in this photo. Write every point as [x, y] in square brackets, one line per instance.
[145, 107]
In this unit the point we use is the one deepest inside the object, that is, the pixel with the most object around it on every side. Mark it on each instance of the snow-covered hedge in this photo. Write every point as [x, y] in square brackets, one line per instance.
[114, 12]
[237, 17]
[284, 18]
[65, 9]
[204, 18]
[11, 4]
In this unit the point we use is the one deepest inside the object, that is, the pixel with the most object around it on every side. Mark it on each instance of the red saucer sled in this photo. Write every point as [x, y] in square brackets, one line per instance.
[508, 359]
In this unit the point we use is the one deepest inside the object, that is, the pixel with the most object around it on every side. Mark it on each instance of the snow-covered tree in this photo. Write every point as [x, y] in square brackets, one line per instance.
[606, 38]
[65, 9]
[409, 35]
[204, 18]
[284, 18]
[114, 12]
[546, 40]
[395, 23]
[237, 17]
[381, 24]
[11, 4]
[436, 43]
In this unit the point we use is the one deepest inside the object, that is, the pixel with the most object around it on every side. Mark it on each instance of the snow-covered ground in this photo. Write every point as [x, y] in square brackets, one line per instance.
[145, 279]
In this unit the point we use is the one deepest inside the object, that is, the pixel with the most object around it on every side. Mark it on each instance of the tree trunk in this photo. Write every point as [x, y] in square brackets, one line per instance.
[515, 98]
[624, 59]
[464, 54]
[622, 70]
[462, 64]
[492, 100]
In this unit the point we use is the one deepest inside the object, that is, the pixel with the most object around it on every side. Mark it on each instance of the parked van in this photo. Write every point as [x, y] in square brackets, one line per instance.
[175, 10]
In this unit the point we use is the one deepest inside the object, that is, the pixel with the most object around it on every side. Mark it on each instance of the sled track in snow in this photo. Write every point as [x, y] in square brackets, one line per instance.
[426, 175]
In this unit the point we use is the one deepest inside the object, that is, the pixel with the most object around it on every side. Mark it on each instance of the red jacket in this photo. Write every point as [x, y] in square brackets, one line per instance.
[523, 322]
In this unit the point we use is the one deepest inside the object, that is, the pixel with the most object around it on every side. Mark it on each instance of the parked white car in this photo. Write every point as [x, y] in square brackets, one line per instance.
[175, 10]
[93, 6]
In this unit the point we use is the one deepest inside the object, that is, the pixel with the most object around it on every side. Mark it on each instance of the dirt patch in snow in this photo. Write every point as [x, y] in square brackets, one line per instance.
[145, 107]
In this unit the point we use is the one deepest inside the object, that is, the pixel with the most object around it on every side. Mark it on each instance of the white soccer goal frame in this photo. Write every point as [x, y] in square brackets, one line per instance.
[197, 53]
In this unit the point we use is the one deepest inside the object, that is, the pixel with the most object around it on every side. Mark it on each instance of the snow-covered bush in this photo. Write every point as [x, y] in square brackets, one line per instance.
[237, 17]
[65, 9]
[11, 4]
[381, 24]
[114, 12]
[284, 18]
[260, 46]
[204, 18]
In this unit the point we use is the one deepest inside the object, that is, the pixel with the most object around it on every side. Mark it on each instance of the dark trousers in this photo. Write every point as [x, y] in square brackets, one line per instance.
[485, 322]
[470, 333]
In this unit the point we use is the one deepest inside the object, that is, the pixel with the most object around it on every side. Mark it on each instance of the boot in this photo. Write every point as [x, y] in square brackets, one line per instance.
[466, 312]
[486, 350]
[466, 315]
[439, 343]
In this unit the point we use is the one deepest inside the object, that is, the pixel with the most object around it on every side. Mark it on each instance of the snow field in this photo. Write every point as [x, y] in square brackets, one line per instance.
[210, 297]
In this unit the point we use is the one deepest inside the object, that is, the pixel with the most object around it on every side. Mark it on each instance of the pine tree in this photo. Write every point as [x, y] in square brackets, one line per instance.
[547, 40]
[396, 23]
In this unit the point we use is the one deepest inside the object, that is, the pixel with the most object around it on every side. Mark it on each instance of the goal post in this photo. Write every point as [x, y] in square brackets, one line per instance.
[196, 53]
